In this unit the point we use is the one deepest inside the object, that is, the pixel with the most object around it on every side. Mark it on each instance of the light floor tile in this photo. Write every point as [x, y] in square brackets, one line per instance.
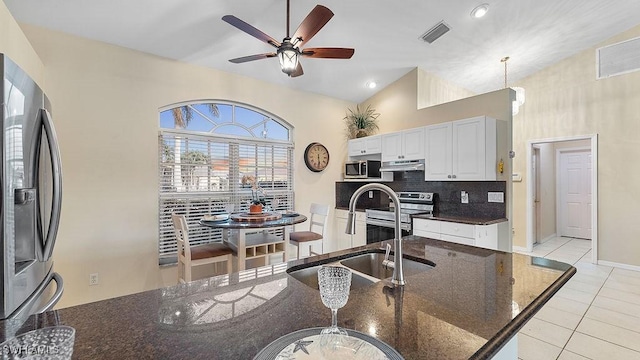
[568, 305]
[616, 305]
[533, 349]
[622, 286]
[607, 297]
[610, 333]
[596, 349]
[614, 318]
[594, 270]
[547, 332]
[576, 295]
[568, 355]
[588, 279]
[583, 286]
[620, 295]
[631, 280]
[626, 272]
[558, 317]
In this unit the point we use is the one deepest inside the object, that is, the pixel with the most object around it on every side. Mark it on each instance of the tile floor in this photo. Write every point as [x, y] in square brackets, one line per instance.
[596, 315]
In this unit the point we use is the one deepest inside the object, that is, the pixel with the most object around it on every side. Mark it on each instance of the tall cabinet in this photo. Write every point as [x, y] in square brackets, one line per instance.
[464, 150]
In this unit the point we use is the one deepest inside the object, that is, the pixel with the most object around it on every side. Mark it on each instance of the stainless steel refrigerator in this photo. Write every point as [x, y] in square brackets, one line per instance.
[31, 182]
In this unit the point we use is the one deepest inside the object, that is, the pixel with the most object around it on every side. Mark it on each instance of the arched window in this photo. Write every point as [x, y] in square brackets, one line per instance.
[209, 153]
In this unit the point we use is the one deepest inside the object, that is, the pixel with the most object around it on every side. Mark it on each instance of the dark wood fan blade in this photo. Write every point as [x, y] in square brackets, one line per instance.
[252, 58]
[250, 30]
[328, 53]
[310, 26]
[298, 71]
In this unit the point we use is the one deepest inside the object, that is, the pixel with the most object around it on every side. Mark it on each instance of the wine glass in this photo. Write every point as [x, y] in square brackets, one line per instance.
[334, 282]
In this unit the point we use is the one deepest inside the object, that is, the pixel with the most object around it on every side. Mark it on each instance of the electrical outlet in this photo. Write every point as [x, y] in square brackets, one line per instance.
[495, 197]
[93, 279]
[370, 194]
[464, 197]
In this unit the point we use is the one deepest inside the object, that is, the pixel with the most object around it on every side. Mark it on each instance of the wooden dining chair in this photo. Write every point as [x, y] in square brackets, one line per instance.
[189, 256]
[315, 235]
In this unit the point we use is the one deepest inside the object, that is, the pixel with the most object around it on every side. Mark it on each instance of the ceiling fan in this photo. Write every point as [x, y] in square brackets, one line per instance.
[288, 51]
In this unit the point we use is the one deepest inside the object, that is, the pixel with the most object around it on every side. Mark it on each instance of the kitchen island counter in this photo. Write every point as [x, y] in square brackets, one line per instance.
[468, 306]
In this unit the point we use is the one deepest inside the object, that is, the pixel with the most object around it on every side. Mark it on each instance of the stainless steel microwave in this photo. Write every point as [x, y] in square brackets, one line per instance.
[362, 169]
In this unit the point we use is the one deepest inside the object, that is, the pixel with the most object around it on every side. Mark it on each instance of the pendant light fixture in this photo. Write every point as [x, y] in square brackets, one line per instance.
[520, 93]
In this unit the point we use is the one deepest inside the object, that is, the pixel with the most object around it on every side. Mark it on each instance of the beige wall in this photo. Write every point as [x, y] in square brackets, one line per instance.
[106, 100]
[433, 90]
[14, 44]
[398, 108]
[567, 100]
[547, 192]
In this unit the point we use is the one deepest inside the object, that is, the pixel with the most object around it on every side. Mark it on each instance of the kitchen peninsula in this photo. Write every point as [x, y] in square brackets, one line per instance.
[466, 307]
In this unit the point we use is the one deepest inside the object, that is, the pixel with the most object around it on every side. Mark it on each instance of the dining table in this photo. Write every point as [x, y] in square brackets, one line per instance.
[257, 236]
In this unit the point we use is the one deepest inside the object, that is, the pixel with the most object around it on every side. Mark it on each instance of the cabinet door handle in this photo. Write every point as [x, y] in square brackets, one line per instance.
[453, 176]
[449, 176]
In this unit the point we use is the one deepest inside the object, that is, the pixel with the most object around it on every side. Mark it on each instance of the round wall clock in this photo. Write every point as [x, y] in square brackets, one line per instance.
[316, 157]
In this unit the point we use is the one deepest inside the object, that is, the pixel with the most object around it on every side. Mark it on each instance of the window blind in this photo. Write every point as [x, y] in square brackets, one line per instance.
[201, 175]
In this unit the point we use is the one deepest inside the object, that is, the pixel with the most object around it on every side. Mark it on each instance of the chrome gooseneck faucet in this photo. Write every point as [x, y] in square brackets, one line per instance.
[398, 274]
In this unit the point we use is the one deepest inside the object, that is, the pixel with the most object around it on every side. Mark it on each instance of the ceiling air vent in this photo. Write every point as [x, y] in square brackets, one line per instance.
[618, 59]
[435, 32]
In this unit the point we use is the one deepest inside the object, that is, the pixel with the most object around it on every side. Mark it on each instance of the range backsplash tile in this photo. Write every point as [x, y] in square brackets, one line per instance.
[448, 199]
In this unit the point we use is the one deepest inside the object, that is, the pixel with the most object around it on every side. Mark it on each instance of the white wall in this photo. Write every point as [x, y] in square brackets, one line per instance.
[105, 100]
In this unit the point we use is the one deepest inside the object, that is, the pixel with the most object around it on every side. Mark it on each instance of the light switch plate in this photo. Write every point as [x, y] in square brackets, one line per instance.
[495, 197]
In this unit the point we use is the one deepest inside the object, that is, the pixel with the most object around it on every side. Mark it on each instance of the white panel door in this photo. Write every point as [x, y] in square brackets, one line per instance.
[575, 194]
[438, 152]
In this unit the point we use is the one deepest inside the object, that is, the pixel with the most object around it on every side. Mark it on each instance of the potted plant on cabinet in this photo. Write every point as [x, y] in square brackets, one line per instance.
[361, 123]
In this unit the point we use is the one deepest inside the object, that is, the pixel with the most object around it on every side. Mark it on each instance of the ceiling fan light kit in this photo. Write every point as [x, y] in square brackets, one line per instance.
[288, 52]
[288, 56]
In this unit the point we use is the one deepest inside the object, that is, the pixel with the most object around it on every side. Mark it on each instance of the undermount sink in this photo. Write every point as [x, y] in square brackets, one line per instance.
[309, 277]
[367, 269]
[371, 264]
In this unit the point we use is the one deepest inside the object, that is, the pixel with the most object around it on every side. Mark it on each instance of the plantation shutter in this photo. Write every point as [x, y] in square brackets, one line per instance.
[201, 175]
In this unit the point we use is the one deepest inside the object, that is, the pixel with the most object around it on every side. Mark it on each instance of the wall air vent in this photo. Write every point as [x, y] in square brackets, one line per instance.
[618, 59]
[435, 32]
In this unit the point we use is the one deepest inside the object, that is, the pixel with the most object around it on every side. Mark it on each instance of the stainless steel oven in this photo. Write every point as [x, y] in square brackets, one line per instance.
[381, 222]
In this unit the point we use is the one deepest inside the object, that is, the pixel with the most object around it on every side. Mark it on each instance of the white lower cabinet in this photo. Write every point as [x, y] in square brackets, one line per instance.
[340, 240]
[493, 236]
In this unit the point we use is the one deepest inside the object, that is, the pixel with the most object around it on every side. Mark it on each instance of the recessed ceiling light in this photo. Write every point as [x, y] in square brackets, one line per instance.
[371, 84]
[480, 11]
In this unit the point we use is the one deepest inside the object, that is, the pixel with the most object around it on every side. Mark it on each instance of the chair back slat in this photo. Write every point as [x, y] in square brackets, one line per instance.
[181, 230]
[319, 217]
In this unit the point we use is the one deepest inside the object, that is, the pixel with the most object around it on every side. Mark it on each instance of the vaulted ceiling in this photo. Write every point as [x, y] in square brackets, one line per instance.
[385, 34]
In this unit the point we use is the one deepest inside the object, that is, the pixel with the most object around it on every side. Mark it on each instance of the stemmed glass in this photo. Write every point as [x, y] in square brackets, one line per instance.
[334, 282]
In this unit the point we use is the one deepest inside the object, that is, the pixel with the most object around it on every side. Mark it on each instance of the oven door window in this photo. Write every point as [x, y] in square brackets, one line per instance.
[376, 233]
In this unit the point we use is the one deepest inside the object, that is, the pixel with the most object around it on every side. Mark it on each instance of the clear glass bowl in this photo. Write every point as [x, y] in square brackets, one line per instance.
[51, 343]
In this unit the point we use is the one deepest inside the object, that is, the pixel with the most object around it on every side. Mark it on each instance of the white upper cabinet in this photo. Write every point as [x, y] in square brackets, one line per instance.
[370, 145]
[438, 152]
[403, 145]
[463, 150]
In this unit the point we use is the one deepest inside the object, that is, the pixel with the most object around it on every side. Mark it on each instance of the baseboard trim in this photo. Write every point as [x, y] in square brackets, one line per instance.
[519, 249]
[619, 265]
[547, 238]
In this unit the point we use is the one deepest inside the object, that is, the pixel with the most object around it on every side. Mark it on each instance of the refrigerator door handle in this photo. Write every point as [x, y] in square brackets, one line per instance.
[56, 167]
[56, 296]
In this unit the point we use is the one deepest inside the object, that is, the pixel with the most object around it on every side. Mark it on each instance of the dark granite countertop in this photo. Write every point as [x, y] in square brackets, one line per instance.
[466, 307]
[462, 219]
